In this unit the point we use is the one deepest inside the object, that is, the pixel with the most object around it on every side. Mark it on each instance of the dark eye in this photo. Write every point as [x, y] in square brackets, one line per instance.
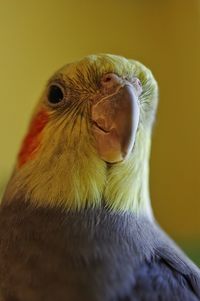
[55, 94]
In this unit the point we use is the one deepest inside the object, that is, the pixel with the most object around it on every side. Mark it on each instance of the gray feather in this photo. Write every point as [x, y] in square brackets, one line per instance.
[93, 255]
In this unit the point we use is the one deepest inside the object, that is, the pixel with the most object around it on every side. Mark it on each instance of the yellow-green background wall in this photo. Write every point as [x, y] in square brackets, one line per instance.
[37, 37]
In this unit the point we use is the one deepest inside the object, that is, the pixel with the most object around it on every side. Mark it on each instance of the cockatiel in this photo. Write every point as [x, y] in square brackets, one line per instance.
[75, 221]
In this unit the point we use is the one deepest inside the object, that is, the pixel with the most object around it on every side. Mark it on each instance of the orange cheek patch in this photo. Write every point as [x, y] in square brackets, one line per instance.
[32, 139]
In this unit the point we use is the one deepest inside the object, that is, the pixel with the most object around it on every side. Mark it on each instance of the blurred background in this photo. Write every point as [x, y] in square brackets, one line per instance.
[38, 37]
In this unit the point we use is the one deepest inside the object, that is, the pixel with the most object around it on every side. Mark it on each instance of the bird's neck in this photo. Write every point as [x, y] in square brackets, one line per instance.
[78, 178]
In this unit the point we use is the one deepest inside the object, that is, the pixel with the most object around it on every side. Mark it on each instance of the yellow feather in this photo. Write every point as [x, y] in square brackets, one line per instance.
[67, 170]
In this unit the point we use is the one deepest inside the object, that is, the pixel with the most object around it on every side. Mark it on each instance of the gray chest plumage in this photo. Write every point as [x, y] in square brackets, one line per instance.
[93, 255]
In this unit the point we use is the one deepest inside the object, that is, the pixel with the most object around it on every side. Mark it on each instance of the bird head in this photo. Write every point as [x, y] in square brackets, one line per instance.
[88, 142]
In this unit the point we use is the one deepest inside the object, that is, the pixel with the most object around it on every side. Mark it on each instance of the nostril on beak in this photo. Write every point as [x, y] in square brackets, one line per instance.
[138, 85]
[107, 78]
[110, 79]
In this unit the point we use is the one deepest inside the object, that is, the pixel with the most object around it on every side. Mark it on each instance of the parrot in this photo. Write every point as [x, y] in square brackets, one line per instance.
[76, 222]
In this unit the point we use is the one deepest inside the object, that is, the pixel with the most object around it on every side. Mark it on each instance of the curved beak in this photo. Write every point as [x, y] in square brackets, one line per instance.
[115, 122]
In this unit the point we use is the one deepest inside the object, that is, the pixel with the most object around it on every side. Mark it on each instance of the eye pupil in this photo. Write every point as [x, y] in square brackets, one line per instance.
[55, 94]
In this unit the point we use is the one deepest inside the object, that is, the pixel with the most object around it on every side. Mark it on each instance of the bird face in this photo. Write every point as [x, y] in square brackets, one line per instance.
[103, 100]
[89, 138]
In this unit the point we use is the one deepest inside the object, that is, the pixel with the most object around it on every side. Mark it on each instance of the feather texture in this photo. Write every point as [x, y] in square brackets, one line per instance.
[66, 170]
[90, 255]
[73, 227]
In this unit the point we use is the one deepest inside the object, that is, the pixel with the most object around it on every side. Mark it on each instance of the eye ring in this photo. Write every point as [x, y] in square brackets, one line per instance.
[55, 94]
